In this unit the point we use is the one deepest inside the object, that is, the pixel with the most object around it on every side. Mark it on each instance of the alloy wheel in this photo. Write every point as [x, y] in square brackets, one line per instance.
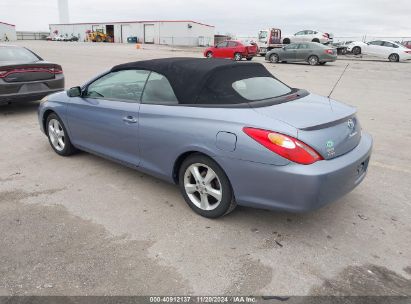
[393, 58]
[202, 186]
[56, 134]
[356, 50]
[274, 58]
[313, 60]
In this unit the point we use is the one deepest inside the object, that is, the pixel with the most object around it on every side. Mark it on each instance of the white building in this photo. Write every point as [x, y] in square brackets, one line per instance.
[7, 30]
[175, 32]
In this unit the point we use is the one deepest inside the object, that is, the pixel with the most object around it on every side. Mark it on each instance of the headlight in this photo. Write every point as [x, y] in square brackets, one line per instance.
[44, 99]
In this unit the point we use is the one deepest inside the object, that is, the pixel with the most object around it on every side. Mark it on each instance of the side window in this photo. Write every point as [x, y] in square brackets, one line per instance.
[389, 44]
[222, 44]
[377, 42]
[303, 46]
[232, 44]
[299, 33]
[293, 46]
[158, 90]
[124, 85]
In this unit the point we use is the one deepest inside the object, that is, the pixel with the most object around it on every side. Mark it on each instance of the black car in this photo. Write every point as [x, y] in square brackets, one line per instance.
[73, 38]
[25, 76]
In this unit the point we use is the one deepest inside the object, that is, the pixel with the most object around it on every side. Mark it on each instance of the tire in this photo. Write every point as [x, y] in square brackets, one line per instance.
[356, 50]
[313, 60]
[196, 190]
[249, 58]
[209, 55]
[316, 40]
[274, 58]
[58, 136]
[323, 63]
[394, 58]
[286, 41]
[237, 56]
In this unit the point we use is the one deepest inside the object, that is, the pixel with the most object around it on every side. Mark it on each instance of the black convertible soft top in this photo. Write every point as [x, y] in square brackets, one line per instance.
[201, 81]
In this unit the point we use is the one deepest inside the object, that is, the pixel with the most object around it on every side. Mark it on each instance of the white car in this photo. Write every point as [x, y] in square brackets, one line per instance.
[390, 50]
[59, 38]
[309, 36]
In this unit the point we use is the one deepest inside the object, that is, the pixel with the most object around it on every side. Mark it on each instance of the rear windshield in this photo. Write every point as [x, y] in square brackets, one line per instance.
[260, 88]
[242, 84]
[17, 54]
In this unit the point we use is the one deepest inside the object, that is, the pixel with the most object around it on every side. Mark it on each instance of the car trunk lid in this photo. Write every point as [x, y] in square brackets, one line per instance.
[26, 72]
[329, 127]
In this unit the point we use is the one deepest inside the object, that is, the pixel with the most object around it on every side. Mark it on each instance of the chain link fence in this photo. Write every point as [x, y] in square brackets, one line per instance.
[32, 35]
[185, 41]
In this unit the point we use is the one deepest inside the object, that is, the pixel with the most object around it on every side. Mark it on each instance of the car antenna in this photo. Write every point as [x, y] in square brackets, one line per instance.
[338, 81]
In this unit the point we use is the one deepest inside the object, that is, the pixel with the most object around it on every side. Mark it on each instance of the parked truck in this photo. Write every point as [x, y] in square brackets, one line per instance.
[269, 39]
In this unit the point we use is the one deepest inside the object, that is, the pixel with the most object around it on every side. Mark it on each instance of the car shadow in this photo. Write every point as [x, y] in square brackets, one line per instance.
[267, 222]
[19, 108]
[300, 64]
[367, 59]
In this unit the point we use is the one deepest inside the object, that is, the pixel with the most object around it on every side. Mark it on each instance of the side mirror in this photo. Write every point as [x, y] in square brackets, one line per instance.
[74, 92]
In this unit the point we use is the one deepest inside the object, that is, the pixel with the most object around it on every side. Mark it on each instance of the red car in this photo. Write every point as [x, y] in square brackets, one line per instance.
[407, 44]
[232, 49]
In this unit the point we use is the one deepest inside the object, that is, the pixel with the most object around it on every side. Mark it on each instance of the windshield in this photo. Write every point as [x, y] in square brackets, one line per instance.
[259, 88]
[262, 35]
[17, 54]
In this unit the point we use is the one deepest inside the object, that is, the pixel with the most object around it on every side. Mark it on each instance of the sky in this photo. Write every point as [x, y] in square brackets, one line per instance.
[383, 18]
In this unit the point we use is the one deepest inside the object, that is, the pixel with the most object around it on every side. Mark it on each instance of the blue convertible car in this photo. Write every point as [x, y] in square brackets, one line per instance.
[226, 132]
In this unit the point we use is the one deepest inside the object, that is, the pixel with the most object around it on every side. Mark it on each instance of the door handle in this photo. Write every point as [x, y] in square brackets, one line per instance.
[130, 119]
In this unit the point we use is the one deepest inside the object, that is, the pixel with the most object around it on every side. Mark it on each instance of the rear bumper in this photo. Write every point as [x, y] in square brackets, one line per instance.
[11, 92]
[248, 55]
[26, 97]
[328, 58]
[298, 188]
[405, 57]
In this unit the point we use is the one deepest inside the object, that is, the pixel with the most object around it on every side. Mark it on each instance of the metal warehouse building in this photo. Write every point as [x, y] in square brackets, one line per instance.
[7, 30]
[175, 32]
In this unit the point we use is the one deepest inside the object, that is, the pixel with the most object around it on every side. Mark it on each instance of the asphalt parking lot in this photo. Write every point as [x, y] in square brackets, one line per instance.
[86, 226]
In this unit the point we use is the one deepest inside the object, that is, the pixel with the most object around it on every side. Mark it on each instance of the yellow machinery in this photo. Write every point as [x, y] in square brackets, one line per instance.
[99, 36]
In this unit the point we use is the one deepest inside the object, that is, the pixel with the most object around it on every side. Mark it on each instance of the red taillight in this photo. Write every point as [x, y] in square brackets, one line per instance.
[329, 52]
[5, 73]
[286, 146]
[326, 35]
[56, 71]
